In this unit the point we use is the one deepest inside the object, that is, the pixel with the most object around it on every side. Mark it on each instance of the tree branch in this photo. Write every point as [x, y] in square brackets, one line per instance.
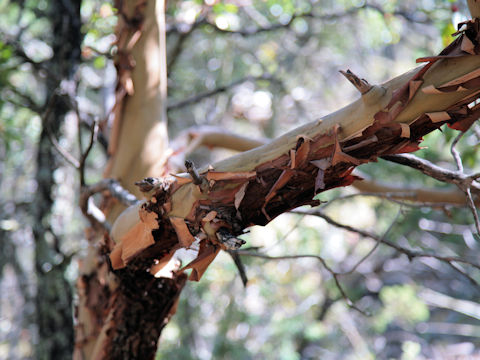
[334, 274]
[197, 98]
[411, 254]
[452, 177]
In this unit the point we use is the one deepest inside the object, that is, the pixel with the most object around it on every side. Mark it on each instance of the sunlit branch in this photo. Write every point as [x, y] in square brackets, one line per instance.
[455, 153]
[432, 170]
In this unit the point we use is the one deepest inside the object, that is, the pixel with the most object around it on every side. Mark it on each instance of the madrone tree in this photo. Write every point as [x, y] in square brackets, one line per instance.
[131, 280]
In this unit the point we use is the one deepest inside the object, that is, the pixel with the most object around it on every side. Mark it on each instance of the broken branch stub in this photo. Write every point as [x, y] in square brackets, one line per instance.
[258, 185]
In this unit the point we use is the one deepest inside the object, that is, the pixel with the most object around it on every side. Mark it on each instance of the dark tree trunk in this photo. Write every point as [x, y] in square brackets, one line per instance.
[54, 293]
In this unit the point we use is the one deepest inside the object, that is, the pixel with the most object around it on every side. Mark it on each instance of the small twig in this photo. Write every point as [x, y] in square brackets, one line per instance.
[83, 159]
[25, 100]
[193, 172]
[377, 244]
[455, 153]
[409, 253]
[460, 271]
[361, 85]
[312, 15]
[473, 209]
[115, 189]
[464, 182]
[197, 98]
[453, 177]
[65, 154]
[334, 274]
[240, 266]
[92, 212]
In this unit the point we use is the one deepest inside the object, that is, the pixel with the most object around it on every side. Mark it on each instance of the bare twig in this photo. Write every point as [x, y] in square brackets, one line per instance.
[453, 177]
[377, 244]
[83, 159]
[193, 172]
[463, 181]
[471, 206]
[240, 266]
[311, 15]
[334, 274]
[455, 153]
[65, 154]
[361, 85]
[25, 100]
[197, 98]
[411, 254]
[92, 212]
[460, 271]
[115, 189]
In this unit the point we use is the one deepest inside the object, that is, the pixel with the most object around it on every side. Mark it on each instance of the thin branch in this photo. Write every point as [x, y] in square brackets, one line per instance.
[334, 274]
[26, 100]
[115, 189]
[393, 197]
[453, 177]
[92, 212]
[471, 205]
[460, 271]
[65, 154]
[455, 153]
[377, 244]
[240, 266]
[313, 16]
[197, 98]
[411, 254]
[83, 158]
[464, 182]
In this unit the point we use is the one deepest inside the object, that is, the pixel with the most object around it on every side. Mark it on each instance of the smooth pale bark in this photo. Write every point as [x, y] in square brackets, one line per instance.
[356, 117]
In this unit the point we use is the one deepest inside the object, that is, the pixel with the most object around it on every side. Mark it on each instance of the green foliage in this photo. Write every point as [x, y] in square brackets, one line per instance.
[400, 304]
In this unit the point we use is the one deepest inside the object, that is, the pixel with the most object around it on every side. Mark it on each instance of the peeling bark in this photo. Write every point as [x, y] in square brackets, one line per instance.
[208, 209]
[289, 171]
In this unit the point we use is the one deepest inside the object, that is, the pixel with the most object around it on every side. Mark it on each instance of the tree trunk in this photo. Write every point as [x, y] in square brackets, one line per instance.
[131, 309]
[55, 325]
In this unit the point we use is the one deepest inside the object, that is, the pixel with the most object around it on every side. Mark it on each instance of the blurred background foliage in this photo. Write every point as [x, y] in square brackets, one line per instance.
[258, 68]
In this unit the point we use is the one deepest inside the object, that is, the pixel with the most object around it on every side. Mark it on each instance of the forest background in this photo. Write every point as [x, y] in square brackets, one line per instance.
[255, 68]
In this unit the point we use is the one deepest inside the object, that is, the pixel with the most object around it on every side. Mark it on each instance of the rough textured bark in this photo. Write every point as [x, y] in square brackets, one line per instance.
[54, 293]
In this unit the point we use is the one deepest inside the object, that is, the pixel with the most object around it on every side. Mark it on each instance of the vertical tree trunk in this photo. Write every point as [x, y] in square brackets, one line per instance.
[54, 293]
[129, 326]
